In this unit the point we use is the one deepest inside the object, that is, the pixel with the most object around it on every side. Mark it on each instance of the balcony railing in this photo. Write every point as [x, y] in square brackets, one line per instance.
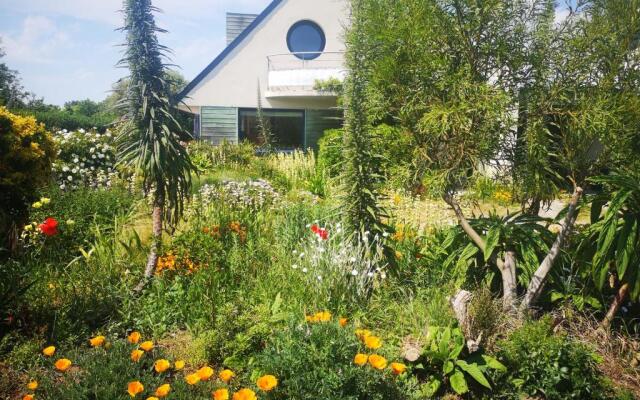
[290, 75]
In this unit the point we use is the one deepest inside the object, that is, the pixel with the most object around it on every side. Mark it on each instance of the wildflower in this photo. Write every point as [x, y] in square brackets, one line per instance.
[205, 373]
[398, 255]
[152, 398]
[192, 379]
[45, 200]
[33, 385]
[70, 222]
[37, 205]
[360, 359]
[49, 227]
[178, 365]
[147, 346]
[136, 355]
[134, 388]
[244, 394]
[372, 342]
[97, 341]
[377, 361]
[134, 337]
[398, 368]
[28, 227]
[161, 365]
[163, 390]
[362, 333]
[221, 394]
[226, 375]
[305, 270]
[267, 382]
[28, 397]
[49, 351]
[343, 322]
[63, 364]
[354, 272]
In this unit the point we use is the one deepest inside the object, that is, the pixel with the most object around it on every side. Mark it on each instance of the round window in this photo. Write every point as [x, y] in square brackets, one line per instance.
[306, 40]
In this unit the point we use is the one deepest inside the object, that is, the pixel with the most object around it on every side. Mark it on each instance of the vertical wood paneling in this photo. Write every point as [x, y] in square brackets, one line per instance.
[218, 124]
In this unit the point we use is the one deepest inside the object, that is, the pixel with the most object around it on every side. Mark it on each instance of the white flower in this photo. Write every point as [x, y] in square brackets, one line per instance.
[305, 270]
[319, 278]
[65, 169]
[385, 234]
[352, 259]
[91, 150]
[70, 178]
[63, 186]
[301, 255]
[369, 274]
[294, 266]
[75, 160]
[354, 272]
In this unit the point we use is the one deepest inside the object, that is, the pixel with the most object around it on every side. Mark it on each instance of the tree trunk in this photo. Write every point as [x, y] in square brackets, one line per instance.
[477, 239]
[621, 296]
[509, 284]
[539, 278]
[460, 304]
[156, 241]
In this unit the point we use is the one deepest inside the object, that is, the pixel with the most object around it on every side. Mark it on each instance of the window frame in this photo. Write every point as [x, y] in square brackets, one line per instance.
[312, 55]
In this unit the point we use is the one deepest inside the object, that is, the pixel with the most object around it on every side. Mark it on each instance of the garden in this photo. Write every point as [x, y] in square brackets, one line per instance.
[472, 232]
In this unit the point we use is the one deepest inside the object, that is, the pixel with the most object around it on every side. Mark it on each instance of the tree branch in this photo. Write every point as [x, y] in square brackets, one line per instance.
[464, 223]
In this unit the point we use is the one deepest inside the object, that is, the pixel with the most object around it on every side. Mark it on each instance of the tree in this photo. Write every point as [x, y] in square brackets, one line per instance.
[12, 93]
[150, 138]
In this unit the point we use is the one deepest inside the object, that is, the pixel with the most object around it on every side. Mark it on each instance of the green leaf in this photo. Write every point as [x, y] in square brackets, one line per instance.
[493, 363]
[474, 371]
[458, 382]
[447, 368]
[493, 238]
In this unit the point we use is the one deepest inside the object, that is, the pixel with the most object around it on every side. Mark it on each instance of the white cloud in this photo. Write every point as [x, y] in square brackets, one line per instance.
[38, 41]
[561, 15]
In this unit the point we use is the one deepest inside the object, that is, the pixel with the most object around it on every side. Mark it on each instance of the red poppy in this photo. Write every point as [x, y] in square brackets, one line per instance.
[323, 233]
[314, 228]
[49, 227]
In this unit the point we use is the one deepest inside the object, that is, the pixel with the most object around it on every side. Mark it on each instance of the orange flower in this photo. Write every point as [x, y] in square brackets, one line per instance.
[267, 382]
[49, 351]
[134, 388]
[97, 341]
[136, 355]
[134, 337]
[372, 342]
[343, 322]
[63, 364]
[377, 362]
[33, 385]
[221, 394]
[161, 365]
[205, 373]
[226, 375]
[360, 359]
[163, 390]
[192, 379]
[147, 346]
[245, 394]
[28, 397]
[178, 365]
[152, 398]
[398, 368]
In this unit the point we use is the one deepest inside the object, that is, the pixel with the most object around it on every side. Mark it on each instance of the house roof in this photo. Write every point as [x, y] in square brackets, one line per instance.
[235, 43]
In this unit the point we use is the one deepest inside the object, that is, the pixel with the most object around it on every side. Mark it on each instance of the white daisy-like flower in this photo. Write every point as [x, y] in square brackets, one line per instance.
[294, 266]
[354, 272]
[369, 274]
[65, 169]
[319, 278]
[305, 270]
[70, 178]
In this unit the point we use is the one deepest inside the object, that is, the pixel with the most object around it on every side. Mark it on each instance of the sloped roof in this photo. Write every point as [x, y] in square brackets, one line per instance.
[236, 42]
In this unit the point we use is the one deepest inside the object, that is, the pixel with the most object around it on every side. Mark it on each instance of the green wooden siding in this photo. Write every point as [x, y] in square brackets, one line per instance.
[316, 122]
[218, 124]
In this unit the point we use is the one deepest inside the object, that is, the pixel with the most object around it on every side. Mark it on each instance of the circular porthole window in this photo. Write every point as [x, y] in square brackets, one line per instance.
[306, 40]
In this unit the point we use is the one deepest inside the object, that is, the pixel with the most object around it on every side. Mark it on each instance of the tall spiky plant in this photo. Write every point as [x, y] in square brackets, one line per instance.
[150, 138]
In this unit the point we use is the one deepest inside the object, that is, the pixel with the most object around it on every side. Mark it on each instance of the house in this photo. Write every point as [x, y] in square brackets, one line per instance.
[273, 63]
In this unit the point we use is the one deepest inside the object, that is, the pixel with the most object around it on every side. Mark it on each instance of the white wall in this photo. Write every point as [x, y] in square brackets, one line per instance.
[233, 83]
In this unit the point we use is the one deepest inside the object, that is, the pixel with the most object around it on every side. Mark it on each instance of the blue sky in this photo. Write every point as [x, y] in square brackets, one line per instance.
[67, 49]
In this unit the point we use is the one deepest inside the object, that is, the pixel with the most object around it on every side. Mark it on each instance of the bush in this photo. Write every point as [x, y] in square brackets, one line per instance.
[55, 119]
[26, 154]
[540, 363]
[207, 157]
[330, 151]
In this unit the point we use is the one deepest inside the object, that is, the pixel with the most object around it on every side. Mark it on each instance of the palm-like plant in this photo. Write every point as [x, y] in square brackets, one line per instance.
[150, 138]
[616, 235]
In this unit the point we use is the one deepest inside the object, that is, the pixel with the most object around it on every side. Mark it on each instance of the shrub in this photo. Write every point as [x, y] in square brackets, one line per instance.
[330, 151]
[26, 154]
[552, 366]
[55, 118]
[207, 157]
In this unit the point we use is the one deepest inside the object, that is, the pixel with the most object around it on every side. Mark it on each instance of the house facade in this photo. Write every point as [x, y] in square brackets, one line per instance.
[273, 62]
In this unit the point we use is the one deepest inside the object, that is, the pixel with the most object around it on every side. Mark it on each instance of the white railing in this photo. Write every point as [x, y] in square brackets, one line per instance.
[293, 76]
[291, 61]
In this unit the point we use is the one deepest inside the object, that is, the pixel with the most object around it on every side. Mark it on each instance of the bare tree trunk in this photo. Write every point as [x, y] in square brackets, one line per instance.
[156, 240]
[462, 220]
[509, 283]
[460, 304]
[621, 296]
[540, 276]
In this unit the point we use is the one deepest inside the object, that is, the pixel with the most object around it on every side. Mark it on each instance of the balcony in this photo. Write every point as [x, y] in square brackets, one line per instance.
[290, 75]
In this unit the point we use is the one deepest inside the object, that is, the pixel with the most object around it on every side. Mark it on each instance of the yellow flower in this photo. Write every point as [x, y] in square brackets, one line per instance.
[360, 359]
[221, 394]
[49, 351]
[192, 379]
[37, 204]
[377, 362]
[398, 368]
[343, 322]
[28, 227]
[267, 382]
[397, 199]
[398, 255]
[323, 316]
[163, 390]
[205, 373]
[226, 375]
[45, 200]
[28, 397]
[97, 341]
[147, 346]
[33, 385]
[362, 333]
[372, 342]
[70, 222]
[245, 394]
[134, 388]
[178, 365]
[152, 398]
[136, 355]
[63, 364]
[161, 365]
[134, 337]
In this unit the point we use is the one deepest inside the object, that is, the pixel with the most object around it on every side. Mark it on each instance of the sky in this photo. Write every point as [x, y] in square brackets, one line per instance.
[68, 49]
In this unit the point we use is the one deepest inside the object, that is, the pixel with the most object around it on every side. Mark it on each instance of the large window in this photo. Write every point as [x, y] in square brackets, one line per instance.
[306, 40]
[286, 126]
